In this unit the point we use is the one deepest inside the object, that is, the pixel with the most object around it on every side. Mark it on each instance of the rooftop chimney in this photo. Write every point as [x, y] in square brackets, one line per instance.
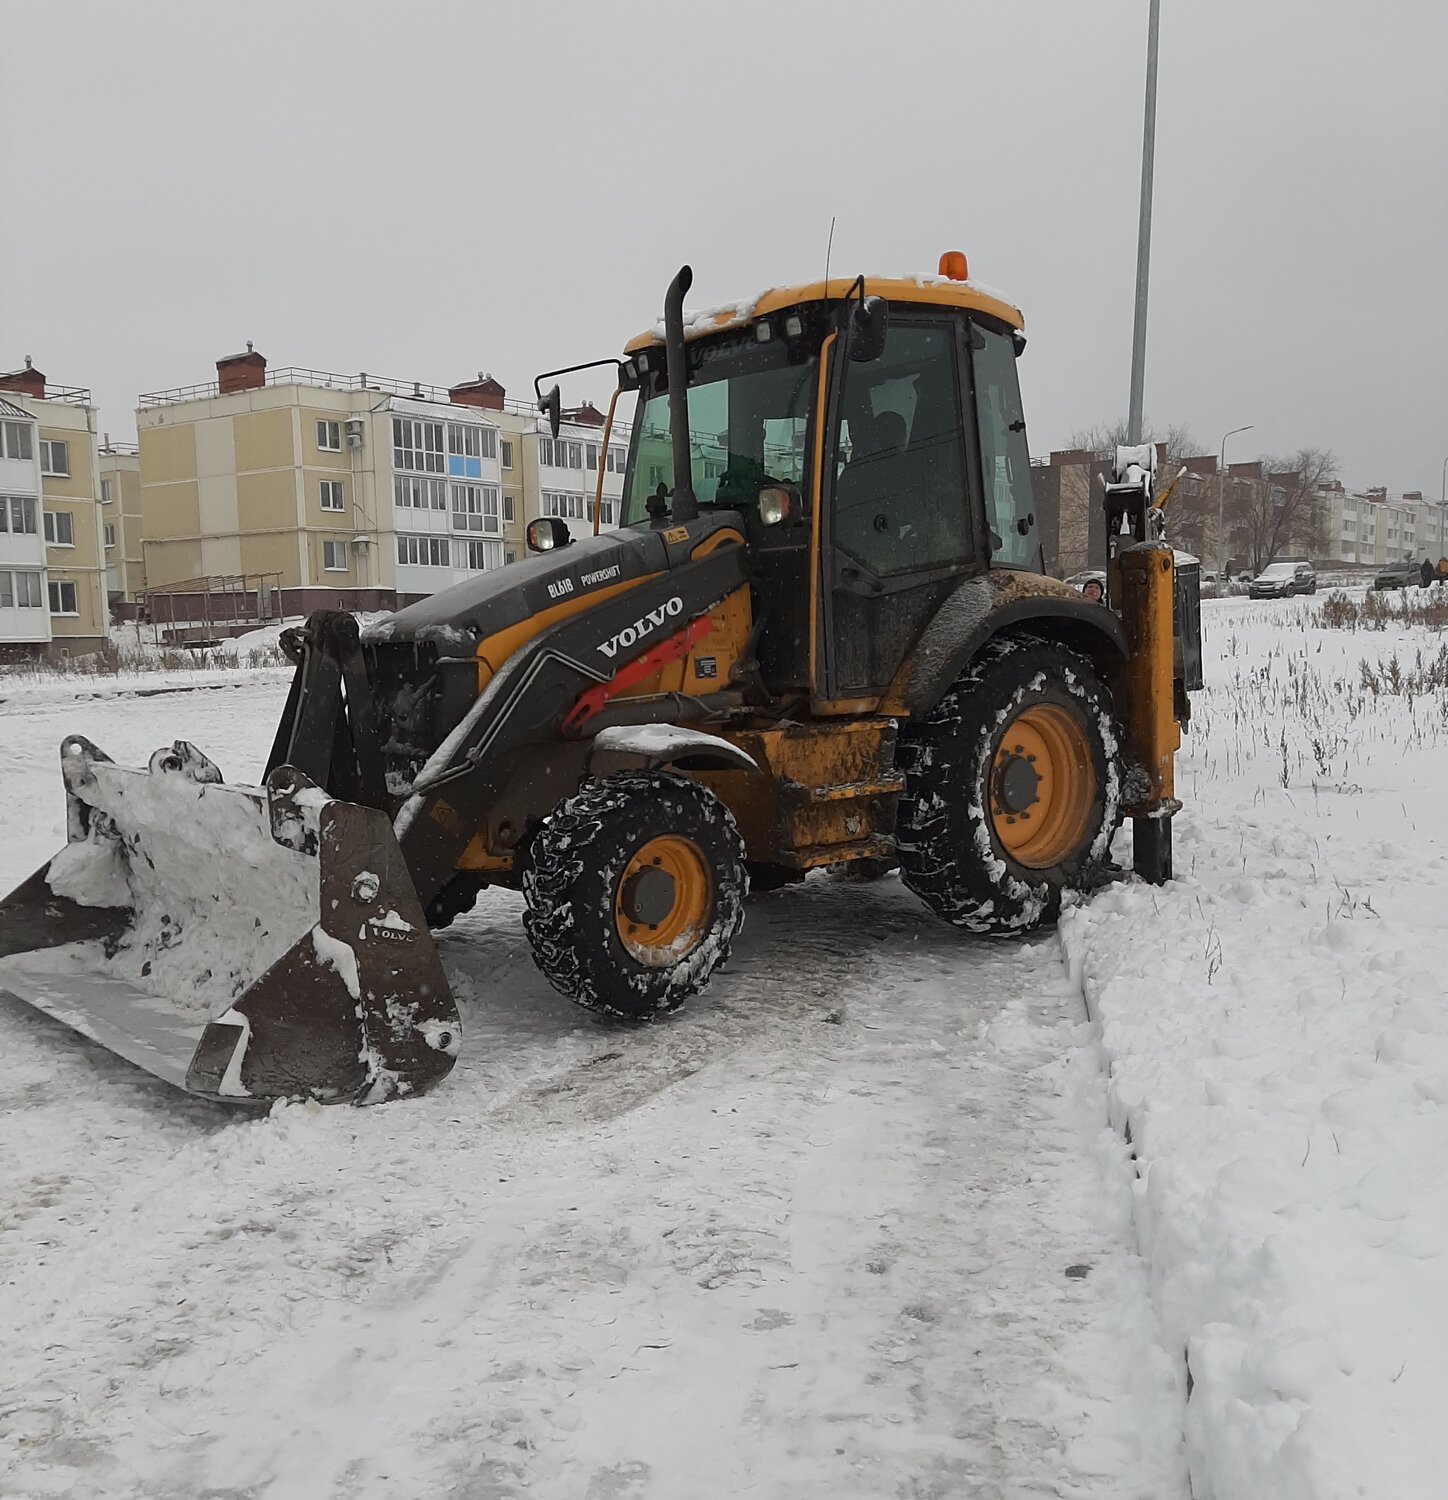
[484, 392]
[241, 372]
[28, 382]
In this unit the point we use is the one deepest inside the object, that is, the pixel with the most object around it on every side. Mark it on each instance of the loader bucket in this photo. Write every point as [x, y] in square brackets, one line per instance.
[245, 944]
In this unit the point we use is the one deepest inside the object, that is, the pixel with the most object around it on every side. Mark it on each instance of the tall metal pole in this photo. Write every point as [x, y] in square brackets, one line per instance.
[1443, 514]
[1222, 502]
[1143, 235]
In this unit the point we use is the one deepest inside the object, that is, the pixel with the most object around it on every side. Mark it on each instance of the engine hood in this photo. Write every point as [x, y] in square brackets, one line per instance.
[456, 619]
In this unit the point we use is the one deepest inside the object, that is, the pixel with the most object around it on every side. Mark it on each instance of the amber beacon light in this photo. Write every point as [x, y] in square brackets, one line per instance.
[952, 266]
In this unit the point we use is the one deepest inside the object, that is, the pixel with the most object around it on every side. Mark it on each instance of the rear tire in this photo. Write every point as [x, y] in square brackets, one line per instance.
[1027, 733]
[635, 891]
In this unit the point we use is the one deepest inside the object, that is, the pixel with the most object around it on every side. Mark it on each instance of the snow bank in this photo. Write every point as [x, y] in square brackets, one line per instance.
[1278, 1046]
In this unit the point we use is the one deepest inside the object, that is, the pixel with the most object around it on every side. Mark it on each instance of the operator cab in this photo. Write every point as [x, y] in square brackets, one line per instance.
[870, 436]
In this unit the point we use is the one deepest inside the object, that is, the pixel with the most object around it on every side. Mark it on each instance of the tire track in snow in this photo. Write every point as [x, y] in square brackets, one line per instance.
[828, 1260]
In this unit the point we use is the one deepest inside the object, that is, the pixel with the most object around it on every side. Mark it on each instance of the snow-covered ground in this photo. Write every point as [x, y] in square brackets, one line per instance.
[1276, 1024]
[853, 1224]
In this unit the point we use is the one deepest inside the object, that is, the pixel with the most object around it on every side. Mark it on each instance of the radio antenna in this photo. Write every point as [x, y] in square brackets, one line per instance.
[830, 246]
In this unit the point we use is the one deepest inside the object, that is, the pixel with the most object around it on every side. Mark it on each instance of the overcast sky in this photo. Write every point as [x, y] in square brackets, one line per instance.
[431, 189]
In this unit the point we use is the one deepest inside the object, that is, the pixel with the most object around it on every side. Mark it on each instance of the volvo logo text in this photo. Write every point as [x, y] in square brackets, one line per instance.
[645, 625]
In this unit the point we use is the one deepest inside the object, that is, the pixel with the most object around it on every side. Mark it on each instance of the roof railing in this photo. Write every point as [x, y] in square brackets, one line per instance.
[411, 390]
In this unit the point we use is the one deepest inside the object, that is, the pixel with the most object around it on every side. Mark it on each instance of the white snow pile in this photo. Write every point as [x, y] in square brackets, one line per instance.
[1277, 1036]
[216, 899]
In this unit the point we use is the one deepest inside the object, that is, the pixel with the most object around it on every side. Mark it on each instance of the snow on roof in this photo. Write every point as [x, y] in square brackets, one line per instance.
[944, 289]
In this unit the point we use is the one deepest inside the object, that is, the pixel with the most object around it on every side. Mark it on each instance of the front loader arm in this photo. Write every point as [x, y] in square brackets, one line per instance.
[328, 738]
[523, 708]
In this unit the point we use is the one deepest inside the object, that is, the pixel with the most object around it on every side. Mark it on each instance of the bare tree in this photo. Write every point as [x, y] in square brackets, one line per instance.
[1283, 511]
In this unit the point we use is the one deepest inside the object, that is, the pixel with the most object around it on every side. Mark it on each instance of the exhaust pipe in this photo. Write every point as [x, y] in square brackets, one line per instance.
[686, 504]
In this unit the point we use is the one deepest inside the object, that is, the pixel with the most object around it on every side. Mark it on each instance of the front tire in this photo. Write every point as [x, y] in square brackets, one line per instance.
[635, 891]
[1012, 789]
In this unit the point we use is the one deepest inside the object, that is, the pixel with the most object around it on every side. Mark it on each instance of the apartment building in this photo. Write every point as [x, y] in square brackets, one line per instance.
[24, 616]
[52, 544]
[120, 471]
[341, 491]
[1369, 527]
[562, 473]
[351, 491]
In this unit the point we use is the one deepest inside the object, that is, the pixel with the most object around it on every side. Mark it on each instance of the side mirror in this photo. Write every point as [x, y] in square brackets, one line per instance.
[869, 323]
[552, 407]
[778, 505]
[546, 533]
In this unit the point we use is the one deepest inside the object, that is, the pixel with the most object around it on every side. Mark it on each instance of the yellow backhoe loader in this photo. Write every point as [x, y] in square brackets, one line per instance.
[820, 637]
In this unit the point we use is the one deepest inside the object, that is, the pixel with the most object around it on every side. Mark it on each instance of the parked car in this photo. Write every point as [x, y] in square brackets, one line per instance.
[1280, 580]
[1399, 575]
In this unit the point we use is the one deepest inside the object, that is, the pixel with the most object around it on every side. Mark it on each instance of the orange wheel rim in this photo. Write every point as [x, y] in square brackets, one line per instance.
[661, 904]
[1042, 786]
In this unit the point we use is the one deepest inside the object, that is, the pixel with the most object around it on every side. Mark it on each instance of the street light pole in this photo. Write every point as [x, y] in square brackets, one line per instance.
[1143, 234]
[1443, 513]
[1222, 501]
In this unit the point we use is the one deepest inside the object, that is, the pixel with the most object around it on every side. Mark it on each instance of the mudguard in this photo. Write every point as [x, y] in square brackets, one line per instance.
[985, 606]
[652, 747]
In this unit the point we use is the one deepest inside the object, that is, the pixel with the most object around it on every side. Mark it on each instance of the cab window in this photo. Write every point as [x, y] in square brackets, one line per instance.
[900, 491]
[1005, 460]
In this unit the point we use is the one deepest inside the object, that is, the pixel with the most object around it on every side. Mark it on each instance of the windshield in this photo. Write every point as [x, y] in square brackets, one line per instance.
[749, 406]
[1279, 570]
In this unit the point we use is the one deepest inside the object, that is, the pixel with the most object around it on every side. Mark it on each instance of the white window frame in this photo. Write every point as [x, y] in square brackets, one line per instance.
[332, 487]
[51, 525]
[106, 496]
[329, 435]
[334, 547]
[568, 507]
[475, 507]
[21, 509]
[471, 440]
[590, 457]
[110, 532]
[418, 446]
[411, 492]
[59, 586]
[48, 451]
[507, 454]
[509, 513]
[480, 556]
[15, 582]
[423, 551]
[17, 440]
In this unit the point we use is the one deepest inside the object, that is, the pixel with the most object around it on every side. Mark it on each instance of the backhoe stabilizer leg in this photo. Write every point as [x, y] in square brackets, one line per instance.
[1141, 588]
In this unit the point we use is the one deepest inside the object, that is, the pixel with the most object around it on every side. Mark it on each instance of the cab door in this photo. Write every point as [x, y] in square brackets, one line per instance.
[898, 529]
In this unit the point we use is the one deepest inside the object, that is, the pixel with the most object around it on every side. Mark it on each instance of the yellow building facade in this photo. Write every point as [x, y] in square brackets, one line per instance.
[68, 516]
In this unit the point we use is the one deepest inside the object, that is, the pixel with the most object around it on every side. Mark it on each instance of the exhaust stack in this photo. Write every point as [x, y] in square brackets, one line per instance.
[686, 504]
